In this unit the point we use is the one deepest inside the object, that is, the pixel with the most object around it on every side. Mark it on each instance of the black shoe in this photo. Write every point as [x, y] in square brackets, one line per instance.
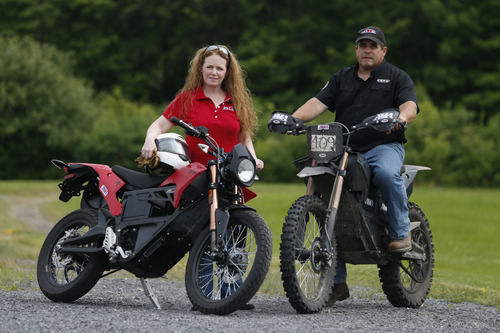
[340, 292]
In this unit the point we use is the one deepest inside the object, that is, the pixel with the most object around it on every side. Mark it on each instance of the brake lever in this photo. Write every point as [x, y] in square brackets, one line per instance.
[296, 132]
[403, 124]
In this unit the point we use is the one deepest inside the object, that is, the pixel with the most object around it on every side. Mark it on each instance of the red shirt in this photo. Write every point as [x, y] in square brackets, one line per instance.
[221, 121]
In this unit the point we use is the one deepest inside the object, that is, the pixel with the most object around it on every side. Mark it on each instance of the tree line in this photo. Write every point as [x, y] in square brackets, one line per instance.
[82, 80]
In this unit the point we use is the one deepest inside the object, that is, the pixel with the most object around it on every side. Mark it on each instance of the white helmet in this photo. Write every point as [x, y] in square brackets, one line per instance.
[173, 152]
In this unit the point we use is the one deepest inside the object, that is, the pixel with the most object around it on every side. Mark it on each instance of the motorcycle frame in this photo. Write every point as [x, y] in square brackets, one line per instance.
[367, 204]
[152, 235]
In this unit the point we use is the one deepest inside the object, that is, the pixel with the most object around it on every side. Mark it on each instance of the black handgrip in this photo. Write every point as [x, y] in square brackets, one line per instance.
[190, 130]
[176, 121]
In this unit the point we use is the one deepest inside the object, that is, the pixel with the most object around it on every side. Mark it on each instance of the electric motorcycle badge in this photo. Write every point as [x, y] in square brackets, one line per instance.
[145, 224]
[343, 216]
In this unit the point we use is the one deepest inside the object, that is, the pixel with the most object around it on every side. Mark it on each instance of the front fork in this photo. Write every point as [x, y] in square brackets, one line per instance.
[331, 215]
[219, 219]
[213, 201]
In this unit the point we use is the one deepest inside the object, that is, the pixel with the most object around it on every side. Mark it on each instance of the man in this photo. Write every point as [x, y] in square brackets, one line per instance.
[355, 93]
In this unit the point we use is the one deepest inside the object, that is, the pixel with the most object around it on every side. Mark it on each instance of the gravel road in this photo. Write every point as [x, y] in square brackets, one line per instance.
[119, 305]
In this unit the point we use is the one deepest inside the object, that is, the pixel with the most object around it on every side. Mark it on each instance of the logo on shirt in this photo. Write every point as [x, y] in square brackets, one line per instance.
[383, 80]
[228, 108]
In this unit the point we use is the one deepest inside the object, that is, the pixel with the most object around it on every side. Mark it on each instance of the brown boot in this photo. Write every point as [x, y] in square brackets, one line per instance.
[340, 292]
[400, 245]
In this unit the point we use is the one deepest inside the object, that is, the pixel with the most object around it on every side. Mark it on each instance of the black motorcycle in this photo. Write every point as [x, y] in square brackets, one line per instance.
[145, 224]
[343, 216]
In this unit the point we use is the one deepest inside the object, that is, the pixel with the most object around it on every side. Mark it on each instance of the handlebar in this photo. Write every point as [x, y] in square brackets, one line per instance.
[199, 132]
[386, 120]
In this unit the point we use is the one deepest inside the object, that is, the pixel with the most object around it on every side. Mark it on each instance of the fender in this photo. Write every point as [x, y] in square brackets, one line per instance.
[182, 178]
[238, 207]
[409, 174]
[222, 218]
[109, 185]
[315, 171]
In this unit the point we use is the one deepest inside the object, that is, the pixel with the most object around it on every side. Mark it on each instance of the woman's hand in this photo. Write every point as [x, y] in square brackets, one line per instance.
[148, 149]
[259, 164]
[160, 125]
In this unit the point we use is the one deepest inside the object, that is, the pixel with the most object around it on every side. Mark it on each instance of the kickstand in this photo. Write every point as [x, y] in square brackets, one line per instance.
[149, 292]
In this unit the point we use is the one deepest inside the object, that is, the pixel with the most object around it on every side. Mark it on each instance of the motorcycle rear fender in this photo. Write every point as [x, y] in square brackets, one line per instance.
[182, 178]
[72, 184]
[109, 185]
[79, 174]
[409, 174]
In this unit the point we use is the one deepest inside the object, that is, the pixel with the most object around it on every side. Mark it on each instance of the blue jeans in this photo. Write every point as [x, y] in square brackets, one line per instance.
[385, 163]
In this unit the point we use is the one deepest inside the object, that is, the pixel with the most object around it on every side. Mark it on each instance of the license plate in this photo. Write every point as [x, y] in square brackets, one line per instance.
[325, 142]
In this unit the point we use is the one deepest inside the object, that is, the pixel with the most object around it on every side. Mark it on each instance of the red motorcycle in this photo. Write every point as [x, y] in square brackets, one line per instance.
[146, 223]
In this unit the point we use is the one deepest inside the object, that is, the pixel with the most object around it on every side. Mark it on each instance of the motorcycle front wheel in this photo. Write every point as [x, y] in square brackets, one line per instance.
[307, 278]
[407, 282]
[67, 277]
[225, 284]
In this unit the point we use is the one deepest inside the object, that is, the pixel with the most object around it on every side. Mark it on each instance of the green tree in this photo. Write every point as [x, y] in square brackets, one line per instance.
[117, 131]
[44, 107]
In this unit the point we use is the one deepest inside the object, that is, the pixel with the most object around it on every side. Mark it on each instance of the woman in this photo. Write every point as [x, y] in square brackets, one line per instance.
[215, 96]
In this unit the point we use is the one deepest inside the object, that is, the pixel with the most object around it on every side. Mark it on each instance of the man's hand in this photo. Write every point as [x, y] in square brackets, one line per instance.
[398, 127]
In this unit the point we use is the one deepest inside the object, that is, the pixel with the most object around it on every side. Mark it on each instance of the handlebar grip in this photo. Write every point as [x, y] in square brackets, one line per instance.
[176, 121]
[188, 128]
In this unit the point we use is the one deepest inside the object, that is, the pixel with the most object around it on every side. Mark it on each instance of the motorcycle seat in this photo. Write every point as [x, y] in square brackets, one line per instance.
[138, 179]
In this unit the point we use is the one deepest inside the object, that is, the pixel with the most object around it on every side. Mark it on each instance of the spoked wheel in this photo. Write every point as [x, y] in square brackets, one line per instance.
[406, 282]
[67, 277]
[307, 276]
[224, 283]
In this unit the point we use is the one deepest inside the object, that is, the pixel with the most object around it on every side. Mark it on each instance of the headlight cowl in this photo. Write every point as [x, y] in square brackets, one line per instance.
[242, 167]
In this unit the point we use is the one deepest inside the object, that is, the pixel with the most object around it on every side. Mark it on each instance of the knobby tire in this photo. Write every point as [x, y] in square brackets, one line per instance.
[399, 287]
[307, 283]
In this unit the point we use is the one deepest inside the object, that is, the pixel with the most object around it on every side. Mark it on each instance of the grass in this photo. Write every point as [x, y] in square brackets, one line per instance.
[463, 223]
[465, 230]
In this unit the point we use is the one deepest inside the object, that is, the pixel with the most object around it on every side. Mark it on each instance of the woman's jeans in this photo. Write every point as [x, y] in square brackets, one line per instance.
[385, 163]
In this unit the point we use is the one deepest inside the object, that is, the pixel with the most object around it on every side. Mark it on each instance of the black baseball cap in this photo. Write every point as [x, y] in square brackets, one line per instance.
[372, 33]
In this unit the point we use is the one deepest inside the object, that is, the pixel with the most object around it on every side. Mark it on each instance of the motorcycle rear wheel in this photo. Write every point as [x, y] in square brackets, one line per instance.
[222, 287]
[66, 277]
[307, 280]
[401, 289]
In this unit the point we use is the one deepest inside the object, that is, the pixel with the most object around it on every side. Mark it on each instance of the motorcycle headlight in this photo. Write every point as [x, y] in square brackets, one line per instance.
[242, 168]
[246, 171]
